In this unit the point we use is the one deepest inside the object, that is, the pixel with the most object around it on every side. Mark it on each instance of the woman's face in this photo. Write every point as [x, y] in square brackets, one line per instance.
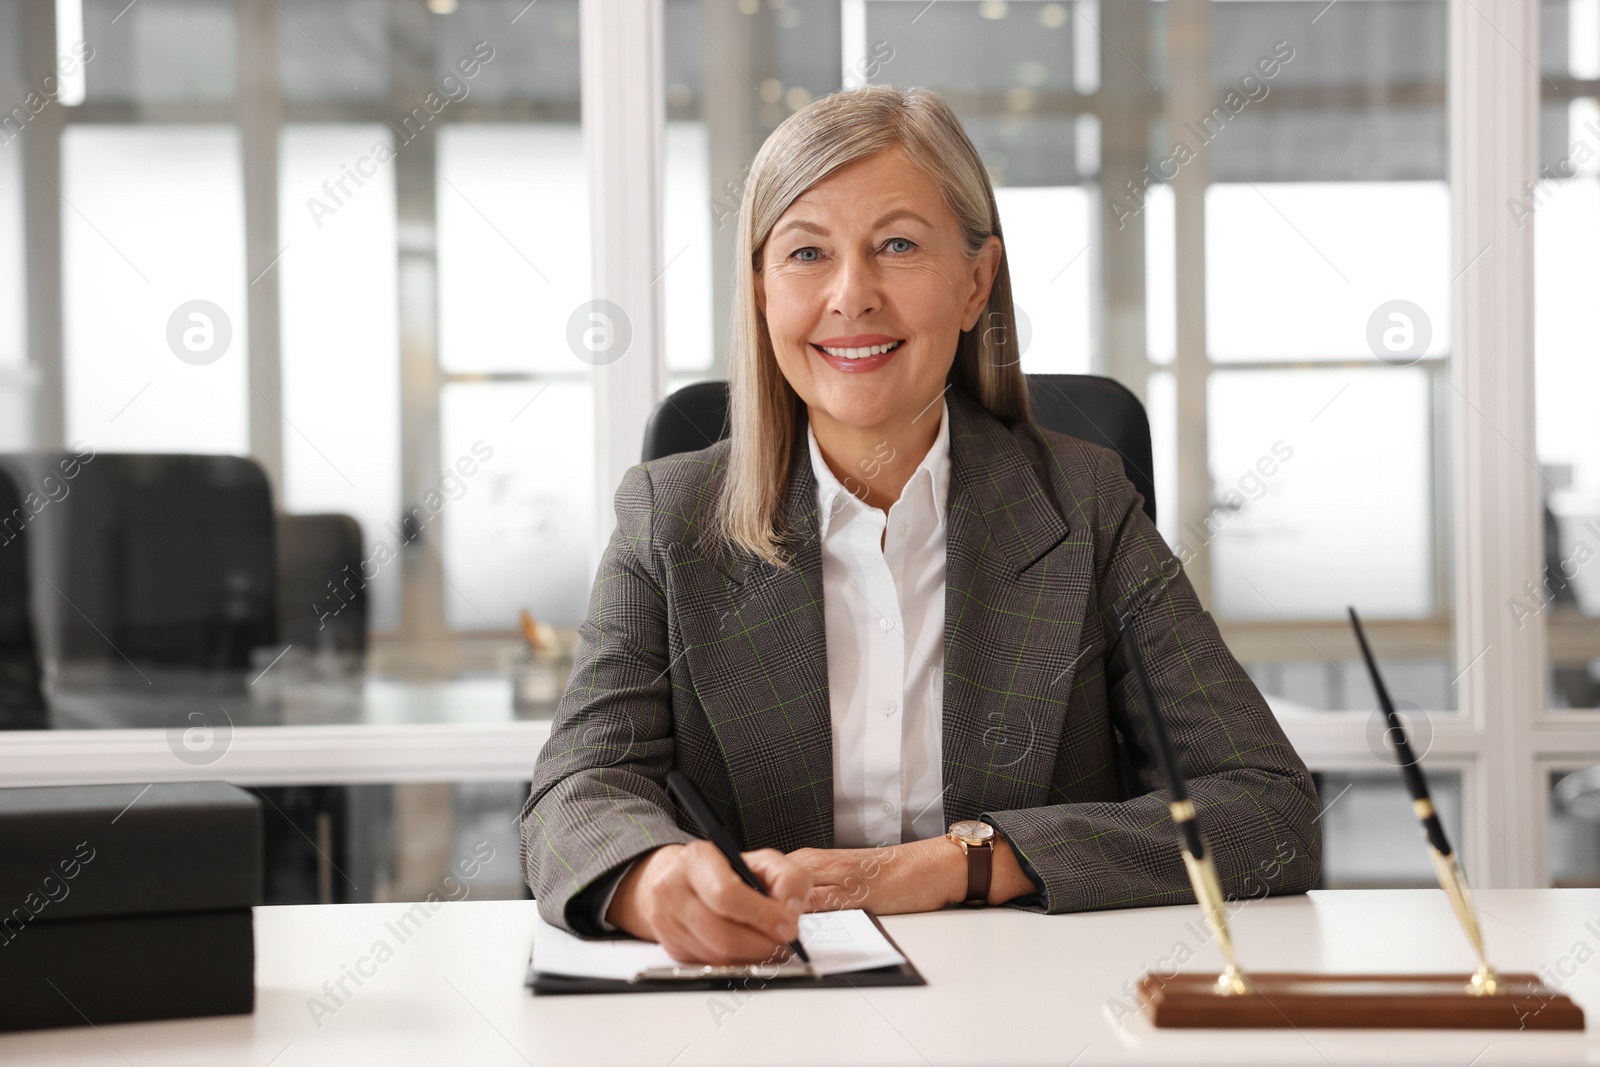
[866, 288]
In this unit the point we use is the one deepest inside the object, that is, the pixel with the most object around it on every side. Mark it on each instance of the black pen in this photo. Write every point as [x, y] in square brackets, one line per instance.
[1452, 879]
[1416, 782]
[1197, 862]
[699, 809]
[1183, 812]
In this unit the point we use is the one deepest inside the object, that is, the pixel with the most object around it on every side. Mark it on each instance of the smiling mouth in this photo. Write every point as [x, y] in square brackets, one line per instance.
[860, 353]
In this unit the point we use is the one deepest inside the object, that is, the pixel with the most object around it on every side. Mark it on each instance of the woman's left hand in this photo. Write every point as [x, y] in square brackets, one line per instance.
[888, 880]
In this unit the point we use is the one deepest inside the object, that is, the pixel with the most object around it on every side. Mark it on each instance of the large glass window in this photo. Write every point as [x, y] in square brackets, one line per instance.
[159, 50]
[154, 289]
[1564, 211]
[513, 216]
[1327, 310]
[1321, 464]
[15, 379]
[334, 51]
[513, 247]
[515, 540]
[431, 241]
[340, 340]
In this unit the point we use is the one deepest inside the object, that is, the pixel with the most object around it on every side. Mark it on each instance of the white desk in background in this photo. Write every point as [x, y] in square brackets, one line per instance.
[367, 728]
[1004, 987]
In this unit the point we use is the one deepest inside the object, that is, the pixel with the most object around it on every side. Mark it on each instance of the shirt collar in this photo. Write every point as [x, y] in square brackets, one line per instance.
[933, 472]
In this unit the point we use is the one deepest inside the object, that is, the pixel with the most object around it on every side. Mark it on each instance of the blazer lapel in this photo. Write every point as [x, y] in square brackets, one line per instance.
[758, 654]
[1017, 579]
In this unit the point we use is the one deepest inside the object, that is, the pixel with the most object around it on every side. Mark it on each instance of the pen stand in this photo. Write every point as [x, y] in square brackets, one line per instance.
[1483, 1000]
[1361, 1001]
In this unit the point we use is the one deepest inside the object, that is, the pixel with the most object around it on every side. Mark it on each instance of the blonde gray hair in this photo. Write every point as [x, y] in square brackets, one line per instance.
[811, 144]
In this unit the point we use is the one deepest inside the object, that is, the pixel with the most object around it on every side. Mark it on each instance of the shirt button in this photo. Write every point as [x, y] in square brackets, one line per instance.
[888, 808]
[901, 529]
[889, 707]
[887, 623]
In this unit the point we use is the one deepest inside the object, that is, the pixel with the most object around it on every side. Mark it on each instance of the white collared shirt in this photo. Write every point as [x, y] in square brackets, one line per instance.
[883, 584]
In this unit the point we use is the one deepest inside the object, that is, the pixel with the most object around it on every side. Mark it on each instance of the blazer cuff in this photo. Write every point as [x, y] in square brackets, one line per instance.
[586, 911]
[1038, 899]
[611, 882]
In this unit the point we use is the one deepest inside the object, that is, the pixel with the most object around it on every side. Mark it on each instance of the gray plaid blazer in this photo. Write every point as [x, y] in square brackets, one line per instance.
[714, 662]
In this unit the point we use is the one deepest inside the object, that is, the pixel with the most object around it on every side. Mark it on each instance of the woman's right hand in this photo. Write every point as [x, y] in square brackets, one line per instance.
[690, 900]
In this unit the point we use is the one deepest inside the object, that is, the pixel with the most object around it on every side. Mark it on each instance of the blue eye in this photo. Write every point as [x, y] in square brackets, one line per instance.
[900, 240]
[800, 253]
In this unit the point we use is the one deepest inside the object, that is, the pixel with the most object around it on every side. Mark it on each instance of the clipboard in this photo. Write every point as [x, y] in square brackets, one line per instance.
[751, 977]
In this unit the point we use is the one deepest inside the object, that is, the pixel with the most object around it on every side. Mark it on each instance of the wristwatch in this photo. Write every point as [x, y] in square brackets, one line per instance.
[977, 841]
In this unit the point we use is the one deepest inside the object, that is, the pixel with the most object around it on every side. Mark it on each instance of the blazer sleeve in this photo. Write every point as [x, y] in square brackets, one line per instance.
[1255, 798]
[599, 795]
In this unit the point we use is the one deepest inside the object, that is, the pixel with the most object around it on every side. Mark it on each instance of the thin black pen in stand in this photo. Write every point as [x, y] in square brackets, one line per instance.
[699, 809]
[1451, 878]
[1196, 859]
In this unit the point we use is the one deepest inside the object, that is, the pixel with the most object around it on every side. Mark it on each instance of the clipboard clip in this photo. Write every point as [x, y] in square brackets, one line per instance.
[791, 969]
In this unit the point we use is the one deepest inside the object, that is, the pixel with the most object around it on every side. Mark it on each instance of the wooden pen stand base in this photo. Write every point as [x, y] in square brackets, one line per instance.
[1362, 1001]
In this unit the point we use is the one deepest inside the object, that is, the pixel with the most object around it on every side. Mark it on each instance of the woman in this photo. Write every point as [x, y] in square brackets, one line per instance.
[889, 605]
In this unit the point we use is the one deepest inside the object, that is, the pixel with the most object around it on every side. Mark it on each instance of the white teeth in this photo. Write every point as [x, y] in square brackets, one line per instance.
[861, 353]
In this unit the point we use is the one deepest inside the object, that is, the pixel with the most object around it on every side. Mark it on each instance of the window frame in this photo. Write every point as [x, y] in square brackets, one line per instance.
[1503, 737]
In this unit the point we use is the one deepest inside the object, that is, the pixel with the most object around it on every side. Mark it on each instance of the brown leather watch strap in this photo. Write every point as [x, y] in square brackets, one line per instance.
[980, 866]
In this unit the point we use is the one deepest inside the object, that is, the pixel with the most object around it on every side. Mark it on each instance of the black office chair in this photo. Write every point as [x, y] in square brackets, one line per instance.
[164, 559]
[1095, 409]
[22, 705]
[314, 550]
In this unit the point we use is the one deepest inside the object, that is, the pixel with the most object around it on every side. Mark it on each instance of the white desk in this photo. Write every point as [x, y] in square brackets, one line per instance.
[1003, 987]
[370, 729]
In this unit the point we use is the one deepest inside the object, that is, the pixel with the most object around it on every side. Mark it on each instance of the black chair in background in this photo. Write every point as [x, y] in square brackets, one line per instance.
[1101, 411]
[322, 597]
[1095, 409]
[164, 560]
[690, 419]
[22, 705]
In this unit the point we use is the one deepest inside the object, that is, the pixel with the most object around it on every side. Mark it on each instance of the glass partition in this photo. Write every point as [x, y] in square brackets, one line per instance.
[1564, 211]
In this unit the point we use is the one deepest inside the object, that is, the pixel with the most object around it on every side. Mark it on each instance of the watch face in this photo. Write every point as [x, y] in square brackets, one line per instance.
[972, 831]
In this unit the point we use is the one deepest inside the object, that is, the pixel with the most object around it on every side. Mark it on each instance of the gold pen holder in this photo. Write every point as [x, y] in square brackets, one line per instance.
[1482, 1001]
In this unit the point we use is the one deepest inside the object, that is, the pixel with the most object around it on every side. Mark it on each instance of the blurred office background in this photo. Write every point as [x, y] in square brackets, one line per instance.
[389, 209]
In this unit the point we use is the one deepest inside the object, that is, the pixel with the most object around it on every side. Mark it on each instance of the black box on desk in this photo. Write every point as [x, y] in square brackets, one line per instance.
[121, 903]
